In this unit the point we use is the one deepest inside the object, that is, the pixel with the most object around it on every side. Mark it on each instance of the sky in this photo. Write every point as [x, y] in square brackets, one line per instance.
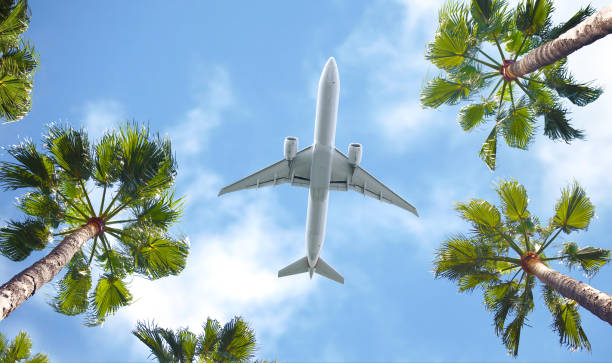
[227, 81]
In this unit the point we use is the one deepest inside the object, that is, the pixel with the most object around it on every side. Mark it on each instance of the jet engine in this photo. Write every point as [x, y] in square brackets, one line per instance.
[354, 153]
[291, 145]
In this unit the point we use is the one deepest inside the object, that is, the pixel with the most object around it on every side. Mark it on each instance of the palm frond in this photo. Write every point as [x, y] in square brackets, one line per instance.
[557, 126]
[148, 333]
[441, 91]
[71, 150]
[488, 152]
[474, 115]
[566, 320]
[518, 125]
[533, 16]
[19, 348]
[451, 41]
[559, 79]
[524, 304]
[459, 257]
[589, 259]
[115, 261]
[155, 255]
[484, 216]
[72, 289]
[42, 206]
[237, 341]
[211, 335]
[15, 99]
[107, 160]
[159, 212]
[19, 239]
[514, 200]
[574, 209]
[110, 294]
[15, 23]
[576, 19]
[489, 16]
[32, 169]
[500, 298]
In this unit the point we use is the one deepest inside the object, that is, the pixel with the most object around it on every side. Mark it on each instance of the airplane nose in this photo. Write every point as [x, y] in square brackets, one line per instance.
[331, 71]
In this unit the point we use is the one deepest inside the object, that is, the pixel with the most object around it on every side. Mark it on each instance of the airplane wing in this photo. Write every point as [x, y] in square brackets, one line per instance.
[346, 176]
[296, 172]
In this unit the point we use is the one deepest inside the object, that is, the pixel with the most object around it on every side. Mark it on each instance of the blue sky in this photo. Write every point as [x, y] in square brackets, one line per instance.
[227, 81]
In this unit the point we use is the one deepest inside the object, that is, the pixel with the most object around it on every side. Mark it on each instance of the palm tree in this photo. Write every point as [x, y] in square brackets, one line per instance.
[234, 342]
[19, 350]
[498, 91]
[484, 259]
[132, 168]
[595, 27]
[18, 60]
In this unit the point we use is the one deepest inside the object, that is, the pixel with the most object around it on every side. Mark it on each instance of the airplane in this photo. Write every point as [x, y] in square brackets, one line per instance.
[320, 168]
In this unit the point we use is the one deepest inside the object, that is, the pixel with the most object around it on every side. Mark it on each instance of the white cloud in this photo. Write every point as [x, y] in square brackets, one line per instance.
[191, 134]
[395, 70]
[102, 115]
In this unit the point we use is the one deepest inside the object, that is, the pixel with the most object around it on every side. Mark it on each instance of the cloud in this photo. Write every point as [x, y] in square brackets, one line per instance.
[383, 48]
[101, 115]
[190, 135]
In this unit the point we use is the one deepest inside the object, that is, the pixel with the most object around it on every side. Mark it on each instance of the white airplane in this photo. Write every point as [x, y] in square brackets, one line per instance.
[321, 168]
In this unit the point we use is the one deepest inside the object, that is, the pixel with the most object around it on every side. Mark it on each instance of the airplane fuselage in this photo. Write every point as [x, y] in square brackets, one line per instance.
[321, 167]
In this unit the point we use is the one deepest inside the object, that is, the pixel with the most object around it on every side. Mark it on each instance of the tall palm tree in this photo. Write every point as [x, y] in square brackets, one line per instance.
[484, 259]
[234, 342]
[18, 351]
[461, 48]
[18, 60]
[132, 171]
[595, 27]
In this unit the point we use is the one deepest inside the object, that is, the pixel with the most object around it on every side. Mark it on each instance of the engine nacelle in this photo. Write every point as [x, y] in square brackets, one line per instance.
[291, 145]
[354, 153]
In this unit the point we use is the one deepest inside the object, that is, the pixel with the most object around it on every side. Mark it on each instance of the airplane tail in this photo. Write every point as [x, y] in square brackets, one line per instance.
[301, 266]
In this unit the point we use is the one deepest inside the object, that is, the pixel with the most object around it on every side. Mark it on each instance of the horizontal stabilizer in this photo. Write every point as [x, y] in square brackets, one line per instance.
[326, 270]
[298, 267]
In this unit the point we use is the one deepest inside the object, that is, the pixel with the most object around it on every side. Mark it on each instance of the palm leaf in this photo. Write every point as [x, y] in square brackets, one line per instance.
[524, 304]
[15, 23]
[19, 61]
[468, 283]
[15, 96]
[488, 151]
[518, 125]
[500, 298]
[32, 169]
[19, 239]
[72, 289]
[38, 358]
[566, 320]
[71, 151]
[212, 331]
[118, 263]
[111, 293]
[42, 206]
[441, 91]
[19, 348]
[148, 333]
[589, 259]
[451, 41]
[484, 216]
[107, 160]
[557, 126]
[475, 114]
[574, 209]
[514, 200]
[159, 212]
[459, 257]
[237, 341]
[533, 16]
[576, 19]
[156, 255]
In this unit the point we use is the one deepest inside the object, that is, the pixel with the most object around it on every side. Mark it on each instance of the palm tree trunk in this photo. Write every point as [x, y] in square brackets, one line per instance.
[595, 301]
[594, 27]
[25, 284]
